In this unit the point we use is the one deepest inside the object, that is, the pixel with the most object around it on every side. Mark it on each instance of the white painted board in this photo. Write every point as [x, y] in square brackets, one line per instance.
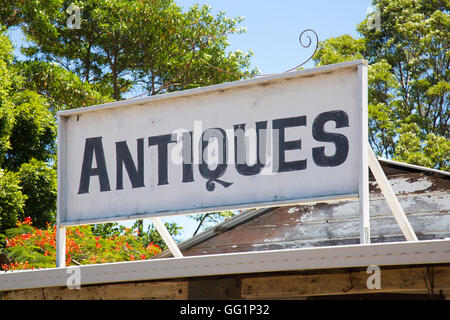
[347, 256]
[318, 111]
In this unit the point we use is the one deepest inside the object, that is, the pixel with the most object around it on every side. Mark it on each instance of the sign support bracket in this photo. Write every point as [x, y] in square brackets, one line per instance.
[164, 233]
[390, 197]
[60, 246]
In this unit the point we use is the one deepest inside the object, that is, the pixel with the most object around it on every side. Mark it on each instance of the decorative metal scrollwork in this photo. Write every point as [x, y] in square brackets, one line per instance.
[304, 39]
[301, 40]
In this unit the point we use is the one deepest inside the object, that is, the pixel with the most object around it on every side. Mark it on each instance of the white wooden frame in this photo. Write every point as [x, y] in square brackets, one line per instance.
[364, 222]
[362, 255]
[366, 159]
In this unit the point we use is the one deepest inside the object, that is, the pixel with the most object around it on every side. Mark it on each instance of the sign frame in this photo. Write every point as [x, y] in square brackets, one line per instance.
[363, 164]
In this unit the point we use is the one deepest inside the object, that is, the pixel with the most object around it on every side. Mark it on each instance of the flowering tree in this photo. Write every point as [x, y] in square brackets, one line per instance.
[31, 248]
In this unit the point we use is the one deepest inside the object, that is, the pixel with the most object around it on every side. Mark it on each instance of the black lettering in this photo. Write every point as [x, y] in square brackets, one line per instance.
[279, 125]
[162, 141]
[188, 170]
[213, 175]
[123, 157]
[340, 141]
[91, 146]
[240, 149]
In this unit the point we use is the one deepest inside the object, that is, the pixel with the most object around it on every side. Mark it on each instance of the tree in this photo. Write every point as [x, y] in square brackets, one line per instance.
[151, 235]
[134, 45]
[12, 200]
[408, 78]
[339, 49]
[208, 220]
[5, 87]
[413, 38]
[38, 184]
[62, 88]
[9, 13]
[33, 132]
[30, 94]
[27, 135]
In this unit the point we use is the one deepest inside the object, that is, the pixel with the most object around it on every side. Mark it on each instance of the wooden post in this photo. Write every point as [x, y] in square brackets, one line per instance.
[60, 246]
[364, 221]
[390, 197]
[159, 225]
[60, 230]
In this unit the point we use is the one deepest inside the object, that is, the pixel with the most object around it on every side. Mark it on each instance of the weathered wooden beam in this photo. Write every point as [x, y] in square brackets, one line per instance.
[400, 280]
[413, 280]
[159, 290]
[215, 288]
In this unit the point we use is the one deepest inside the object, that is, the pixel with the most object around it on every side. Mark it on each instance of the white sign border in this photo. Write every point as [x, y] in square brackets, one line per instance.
[363, 185]
[361, 65]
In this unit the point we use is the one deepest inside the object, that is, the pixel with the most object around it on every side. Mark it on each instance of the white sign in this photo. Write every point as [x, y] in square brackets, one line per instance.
[268, 141]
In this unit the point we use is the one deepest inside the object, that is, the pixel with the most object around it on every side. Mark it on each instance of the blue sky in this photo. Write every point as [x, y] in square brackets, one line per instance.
[273, 28]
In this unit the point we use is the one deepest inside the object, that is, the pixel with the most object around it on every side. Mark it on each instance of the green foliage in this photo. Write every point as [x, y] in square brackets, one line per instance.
[27, 128]
[124, 46]
[5, 86]
[151, 235]
[208, 220]
[27, 136]
[413, 39]
[38, 182]
[191, 38]
[5, 129]
[12, 201]
[429, 151]
[9, 13]
[33, 132]
[62, 88]
[339, 49]
[108, 230]
[408, 78]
